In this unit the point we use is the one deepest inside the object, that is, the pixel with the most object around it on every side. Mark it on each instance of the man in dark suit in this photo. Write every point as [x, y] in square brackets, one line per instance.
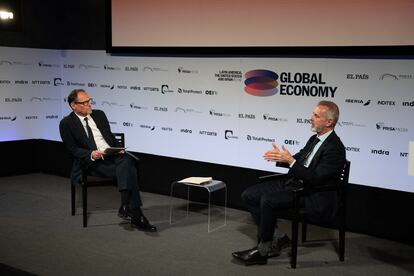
[86, 134]
[319, 162]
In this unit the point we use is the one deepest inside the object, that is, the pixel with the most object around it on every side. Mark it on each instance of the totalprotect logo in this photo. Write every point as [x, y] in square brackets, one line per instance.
[268, 83]
[382, 126]
[259, 139]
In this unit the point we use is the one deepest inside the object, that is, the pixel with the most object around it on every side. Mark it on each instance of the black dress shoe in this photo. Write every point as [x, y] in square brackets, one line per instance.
[142, 224]
[123, 212]
[281, 243]
[254, 258]
[241, 255]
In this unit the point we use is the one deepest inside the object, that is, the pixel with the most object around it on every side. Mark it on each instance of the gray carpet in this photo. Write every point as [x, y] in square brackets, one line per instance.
[39, 236]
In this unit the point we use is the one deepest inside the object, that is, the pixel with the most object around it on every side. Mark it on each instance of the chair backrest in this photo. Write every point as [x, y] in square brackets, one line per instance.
[344, 178]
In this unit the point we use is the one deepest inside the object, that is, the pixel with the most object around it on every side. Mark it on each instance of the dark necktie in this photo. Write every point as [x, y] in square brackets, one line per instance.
[308, 153]
[91, 141]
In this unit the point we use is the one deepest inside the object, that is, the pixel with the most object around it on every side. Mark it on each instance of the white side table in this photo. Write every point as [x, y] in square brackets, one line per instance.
[213, 186]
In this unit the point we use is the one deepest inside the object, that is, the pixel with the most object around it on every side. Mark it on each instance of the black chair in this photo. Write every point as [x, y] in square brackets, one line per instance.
[298, 214]
[89, 180]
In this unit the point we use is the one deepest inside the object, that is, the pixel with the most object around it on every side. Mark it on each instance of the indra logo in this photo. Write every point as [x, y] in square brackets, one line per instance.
[261, 83]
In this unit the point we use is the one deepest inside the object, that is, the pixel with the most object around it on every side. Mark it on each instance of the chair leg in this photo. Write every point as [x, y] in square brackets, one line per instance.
[294, 248]
[73, 198]
[304, 231]
[85, 204]
[342, 244]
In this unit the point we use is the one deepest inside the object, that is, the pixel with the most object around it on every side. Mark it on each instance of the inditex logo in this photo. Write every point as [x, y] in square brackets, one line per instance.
[261, 83]
[382, 102]
[353, 149]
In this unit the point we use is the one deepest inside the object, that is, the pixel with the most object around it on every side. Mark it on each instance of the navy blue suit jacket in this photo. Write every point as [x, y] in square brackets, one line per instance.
[74, 137]
[324, 169]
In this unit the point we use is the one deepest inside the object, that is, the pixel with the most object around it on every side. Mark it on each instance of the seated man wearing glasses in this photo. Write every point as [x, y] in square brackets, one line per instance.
[86, 134]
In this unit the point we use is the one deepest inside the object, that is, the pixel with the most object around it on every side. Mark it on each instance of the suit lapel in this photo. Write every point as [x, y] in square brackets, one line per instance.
[321, 149]
[79, 129]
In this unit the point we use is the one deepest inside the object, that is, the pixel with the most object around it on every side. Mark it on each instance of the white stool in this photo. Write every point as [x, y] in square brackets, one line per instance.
[213, 186]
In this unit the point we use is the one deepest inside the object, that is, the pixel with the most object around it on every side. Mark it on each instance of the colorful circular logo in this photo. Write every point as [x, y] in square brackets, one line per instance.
[261, 83]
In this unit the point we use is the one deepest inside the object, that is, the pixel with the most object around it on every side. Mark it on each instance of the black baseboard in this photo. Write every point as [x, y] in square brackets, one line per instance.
[374, 211]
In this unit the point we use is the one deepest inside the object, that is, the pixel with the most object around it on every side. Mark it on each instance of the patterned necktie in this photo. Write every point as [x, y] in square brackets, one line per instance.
[91, 141]
[308, 153]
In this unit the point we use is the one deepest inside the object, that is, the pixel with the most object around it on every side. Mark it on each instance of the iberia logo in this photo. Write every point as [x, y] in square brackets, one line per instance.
[261, 83]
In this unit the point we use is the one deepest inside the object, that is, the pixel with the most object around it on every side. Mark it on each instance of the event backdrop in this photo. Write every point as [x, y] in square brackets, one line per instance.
[220, 110]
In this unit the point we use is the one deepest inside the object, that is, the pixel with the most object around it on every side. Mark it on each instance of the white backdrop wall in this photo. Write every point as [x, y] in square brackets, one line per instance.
[200, 108]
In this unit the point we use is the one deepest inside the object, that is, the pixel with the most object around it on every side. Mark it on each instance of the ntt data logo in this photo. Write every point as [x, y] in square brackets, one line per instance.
[261, 83]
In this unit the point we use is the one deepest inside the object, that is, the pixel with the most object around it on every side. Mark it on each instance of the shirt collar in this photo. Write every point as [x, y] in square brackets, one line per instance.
[323, 137]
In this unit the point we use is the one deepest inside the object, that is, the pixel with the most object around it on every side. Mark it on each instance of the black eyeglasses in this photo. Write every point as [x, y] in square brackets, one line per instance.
[87, 102]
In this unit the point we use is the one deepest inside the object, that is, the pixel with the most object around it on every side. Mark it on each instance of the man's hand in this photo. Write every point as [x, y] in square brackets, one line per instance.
[277, 155]
[97, 154]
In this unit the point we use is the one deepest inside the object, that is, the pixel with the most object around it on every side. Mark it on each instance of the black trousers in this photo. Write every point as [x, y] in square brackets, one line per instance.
[122, 168]
[264, 200]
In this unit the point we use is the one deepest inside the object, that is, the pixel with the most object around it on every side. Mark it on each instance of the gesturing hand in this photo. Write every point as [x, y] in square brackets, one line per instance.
[277, 155]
